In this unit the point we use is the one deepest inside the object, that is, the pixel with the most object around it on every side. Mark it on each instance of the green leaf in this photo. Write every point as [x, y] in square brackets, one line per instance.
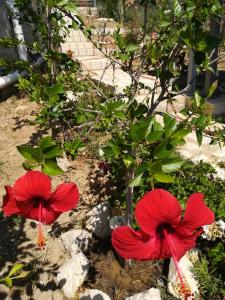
[161, 151]
[128, 161]
[177, 9]
[199, 137]
[181, 133]
[56, 89]
[27, 166]
[170, 125]
[161, 177]
[16, 268]
[45, 142]
[154, 136]
[51, 168]
[7, 281]
[141, 129]
[171, 165]
[131, 48]
[53, 151]
[136, 181]
[212, 89]
[31, 154]
[81, 118]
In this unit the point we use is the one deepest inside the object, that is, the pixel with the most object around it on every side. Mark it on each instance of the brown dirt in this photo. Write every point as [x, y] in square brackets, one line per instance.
[18, 236]
[109, 274]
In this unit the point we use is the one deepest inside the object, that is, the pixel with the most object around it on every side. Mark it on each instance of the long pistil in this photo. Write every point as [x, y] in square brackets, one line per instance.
[185, 290]
[41, 242]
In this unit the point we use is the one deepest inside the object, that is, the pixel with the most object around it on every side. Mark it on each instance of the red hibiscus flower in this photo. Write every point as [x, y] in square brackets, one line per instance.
[31, 197]
[164, 233]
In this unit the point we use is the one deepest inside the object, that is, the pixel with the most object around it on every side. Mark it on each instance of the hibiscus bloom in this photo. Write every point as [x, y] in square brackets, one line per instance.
[164, 233]
[31, 197]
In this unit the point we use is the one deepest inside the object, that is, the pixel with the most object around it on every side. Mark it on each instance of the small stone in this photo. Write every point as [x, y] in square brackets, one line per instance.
[151, 294]
[173, 281]
[117, 221]
[98, 220]
[76, 240]
[72, 274]
[63, 163]
[93, 295]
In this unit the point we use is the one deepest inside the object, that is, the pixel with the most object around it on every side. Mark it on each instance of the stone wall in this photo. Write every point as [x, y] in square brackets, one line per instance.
[6, 31]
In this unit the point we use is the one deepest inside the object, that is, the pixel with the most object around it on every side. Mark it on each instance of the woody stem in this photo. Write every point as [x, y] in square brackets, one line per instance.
[174, 255]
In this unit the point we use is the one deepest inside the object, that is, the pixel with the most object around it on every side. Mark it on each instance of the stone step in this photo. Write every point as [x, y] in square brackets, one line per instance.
[79, 45]
[73, 37]
[80, 52]
[92, 63]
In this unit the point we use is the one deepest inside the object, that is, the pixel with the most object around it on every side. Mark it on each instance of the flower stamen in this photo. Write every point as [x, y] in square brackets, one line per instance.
[184, 289]
[41, 242]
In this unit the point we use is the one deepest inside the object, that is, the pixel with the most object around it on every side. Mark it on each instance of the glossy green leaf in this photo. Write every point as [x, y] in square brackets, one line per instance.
[7, 281]
[141, 129]
[161, 177]
[170, 124]
[172, 165]
[136, 181]
[181, 133]
[199, 137]
[31, 154]
[45, 142]
[212, 89]
[128, 161]
[51, 168]
[16, 268]
[53, 151]
[177, 9]
[27, 166]
[154, 136]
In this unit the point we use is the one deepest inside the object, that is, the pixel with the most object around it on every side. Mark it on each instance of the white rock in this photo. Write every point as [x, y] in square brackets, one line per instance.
[72, 274]
[98, 220]
[76, 240]
[151, 294]
[221, 224]
[186, 266]
[63, 162]
[93, 295]
[117, 221]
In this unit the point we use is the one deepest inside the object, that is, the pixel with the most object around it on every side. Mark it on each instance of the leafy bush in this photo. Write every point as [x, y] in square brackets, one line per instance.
[200, 177]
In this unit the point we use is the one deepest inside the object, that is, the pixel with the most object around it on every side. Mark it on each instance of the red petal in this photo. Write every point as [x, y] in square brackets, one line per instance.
[132, 244]
[33, 184]
[197, 214]
[9, 206]
[31, 211]
[65, 197]
[155, 208]
[182, 245]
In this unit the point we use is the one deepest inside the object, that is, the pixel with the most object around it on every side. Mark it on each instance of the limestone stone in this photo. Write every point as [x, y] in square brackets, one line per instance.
[76, 240]
[117, 221]
[72, 274]
[151, 294]
[93, 295]
[98, 220]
